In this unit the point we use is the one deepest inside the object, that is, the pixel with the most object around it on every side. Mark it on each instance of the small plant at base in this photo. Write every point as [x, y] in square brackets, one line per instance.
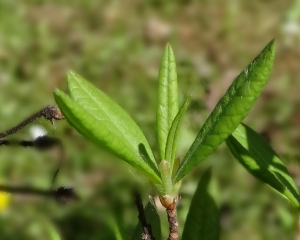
[99, 119]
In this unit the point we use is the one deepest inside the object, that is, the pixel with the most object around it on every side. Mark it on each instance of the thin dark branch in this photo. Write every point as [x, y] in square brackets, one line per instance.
[40, 143]
[49, 113]
[140, 207]
[147, 230]
[62, 194]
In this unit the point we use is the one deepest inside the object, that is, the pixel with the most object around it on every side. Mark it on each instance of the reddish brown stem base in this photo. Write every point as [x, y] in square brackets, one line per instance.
[173, 224]
[172, 216]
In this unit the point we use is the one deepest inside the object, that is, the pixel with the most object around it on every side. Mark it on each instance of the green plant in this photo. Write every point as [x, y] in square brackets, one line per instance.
[99, 119]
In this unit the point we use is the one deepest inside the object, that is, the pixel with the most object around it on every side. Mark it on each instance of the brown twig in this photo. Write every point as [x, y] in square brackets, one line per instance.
[62, 194]
[49, 113]
[171, 208]
[147, 230]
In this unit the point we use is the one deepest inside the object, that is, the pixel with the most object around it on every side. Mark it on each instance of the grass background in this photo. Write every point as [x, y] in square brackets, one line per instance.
[117, 45]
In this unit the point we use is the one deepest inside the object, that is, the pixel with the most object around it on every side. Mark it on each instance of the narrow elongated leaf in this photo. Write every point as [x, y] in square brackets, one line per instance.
[153, 219]
[232, 108]
[203, 219]
[262, 162]
[98, 118]
[116, 227]
[167, 101]
[173, 134]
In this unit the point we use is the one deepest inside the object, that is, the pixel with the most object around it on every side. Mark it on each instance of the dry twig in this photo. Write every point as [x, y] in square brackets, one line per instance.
[147, 230]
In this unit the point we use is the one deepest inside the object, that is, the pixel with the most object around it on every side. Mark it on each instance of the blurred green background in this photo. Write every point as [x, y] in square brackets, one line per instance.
[117, 45]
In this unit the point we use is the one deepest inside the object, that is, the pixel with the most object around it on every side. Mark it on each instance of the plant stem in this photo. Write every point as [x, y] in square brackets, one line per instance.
[49, 113]
[172, 219]
[147, 230]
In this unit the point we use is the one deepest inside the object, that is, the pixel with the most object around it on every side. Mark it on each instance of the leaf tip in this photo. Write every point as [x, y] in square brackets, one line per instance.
[271, 45]
[70, 75]
[56, 92]
[169, 49]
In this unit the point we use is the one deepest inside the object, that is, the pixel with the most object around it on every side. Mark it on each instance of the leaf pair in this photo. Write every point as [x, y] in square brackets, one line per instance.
[168, 118]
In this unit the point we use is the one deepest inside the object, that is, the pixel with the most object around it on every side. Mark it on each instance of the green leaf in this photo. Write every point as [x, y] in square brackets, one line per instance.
[262, 162]
[232, 108]
[203, 219]
[167, 102]
[153, 219]
[173, 134]
[116, 227]
[99, 119]
[166, 177]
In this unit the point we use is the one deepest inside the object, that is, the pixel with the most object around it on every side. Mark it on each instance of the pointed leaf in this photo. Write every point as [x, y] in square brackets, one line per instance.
[153, 219]
[167, 102]
[173, 134]
[203, 219]
[262, 162]
[232, 108]
[98, 118]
